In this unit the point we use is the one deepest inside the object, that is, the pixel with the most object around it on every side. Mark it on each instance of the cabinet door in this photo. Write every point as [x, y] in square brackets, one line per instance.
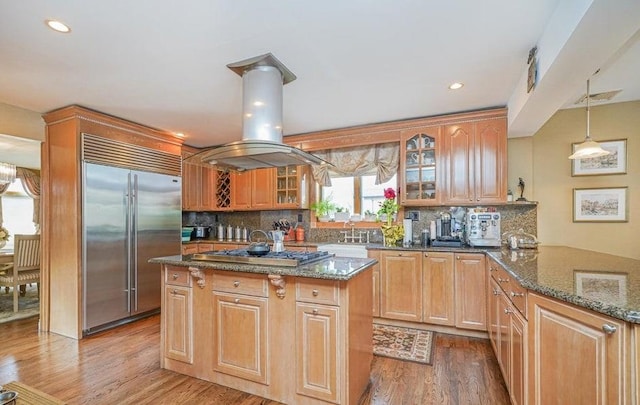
[490, 161]
[375, 254]
[492, 306]
[207, 188]
[190, 186]
[241, 190]
[458, 148]
[576, 356]
[504, 343]
[420, 177]
[240, 336]
[262, 193]
[437, 278]
[316, 351]
[471, 290]
[177, 313]
[517, 357]
[292, 187]
[401, 285]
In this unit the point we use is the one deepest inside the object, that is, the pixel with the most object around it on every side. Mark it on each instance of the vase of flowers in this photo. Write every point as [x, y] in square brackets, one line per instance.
[4, 236]
[391, 232]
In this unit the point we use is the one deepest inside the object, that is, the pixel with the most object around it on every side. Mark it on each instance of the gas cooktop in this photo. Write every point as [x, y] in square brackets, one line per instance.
[288, 258]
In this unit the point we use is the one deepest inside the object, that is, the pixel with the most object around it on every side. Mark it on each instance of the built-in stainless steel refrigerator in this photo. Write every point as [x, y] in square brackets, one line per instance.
[129, 216]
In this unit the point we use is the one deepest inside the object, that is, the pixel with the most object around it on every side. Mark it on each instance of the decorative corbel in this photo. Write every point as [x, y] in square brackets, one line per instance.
[199, 274]
[280, 284]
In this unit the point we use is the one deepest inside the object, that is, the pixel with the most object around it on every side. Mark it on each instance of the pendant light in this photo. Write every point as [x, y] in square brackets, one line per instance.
[589, 148]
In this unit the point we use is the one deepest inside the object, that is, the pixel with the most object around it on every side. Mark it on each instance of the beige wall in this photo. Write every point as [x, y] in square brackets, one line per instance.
[16, 121]
[552, 184]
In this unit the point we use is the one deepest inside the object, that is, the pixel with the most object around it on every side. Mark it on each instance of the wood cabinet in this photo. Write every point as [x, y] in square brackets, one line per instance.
[198, 247]
[401, 285]
[177, 316]
[253, 189]
[419, 166]
[317, 358]
[375, 254]
[292, 187]
[63, 154]
[575, 356]
[198, 186]
[438, 288]
[475, 162]
[470, 286]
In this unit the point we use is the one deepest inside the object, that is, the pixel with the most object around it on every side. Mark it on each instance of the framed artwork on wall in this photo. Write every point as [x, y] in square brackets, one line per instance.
[601, 286]
[614, 163]
[600, 204]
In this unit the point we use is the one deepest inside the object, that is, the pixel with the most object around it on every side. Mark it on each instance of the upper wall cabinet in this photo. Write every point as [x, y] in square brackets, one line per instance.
[419, 162]
[198, 186]
[292, 187]
[475, 162]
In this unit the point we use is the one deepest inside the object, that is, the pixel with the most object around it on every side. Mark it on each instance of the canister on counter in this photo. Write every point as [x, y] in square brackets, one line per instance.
[299, 234]
[425, 238]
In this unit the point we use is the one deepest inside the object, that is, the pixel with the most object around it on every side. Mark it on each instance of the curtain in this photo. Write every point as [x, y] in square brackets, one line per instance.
[31, 183]
[3, 189]
[381, 159]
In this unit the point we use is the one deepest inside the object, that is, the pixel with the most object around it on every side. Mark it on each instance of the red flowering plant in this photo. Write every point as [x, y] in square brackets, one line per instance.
[392, 233]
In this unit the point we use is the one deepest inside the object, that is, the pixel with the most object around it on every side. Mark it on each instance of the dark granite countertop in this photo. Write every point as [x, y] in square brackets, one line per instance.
[601, 282]
[418, 248]
[334, 268]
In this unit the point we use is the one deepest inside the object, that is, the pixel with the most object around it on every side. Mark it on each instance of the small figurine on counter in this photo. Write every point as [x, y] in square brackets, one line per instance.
[521, 187]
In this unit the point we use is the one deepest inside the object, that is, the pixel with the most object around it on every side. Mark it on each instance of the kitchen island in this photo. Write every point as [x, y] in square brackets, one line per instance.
[298, 335]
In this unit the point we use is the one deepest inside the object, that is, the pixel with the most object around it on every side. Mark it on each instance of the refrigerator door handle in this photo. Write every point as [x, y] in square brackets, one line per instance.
[129, 225]
[134, 245]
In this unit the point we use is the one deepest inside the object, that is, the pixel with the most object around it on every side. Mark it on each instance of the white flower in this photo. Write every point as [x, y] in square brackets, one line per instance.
[4, 233]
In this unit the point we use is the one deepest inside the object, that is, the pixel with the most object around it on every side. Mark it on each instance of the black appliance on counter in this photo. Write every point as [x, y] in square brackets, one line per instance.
[447, 232]
[201, 232]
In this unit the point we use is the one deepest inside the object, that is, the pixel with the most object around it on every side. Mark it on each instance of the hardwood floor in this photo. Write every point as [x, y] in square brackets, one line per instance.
[122, 366]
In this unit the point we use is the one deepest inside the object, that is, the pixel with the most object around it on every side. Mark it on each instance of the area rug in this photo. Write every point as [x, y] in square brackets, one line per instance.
[28, 306]
[403, 343]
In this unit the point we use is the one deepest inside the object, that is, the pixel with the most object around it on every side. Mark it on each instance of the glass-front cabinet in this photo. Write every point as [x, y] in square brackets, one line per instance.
[292, 187]
[419, 162]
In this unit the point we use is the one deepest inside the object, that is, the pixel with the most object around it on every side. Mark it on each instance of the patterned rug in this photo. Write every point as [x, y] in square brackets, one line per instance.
[28, 306]
[402, 343]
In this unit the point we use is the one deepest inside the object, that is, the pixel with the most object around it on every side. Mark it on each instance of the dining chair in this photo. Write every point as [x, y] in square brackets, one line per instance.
[26, 266]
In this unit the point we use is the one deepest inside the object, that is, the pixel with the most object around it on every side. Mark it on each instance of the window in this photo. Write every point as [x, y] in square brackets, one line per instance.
[17, 212]
[358, 195]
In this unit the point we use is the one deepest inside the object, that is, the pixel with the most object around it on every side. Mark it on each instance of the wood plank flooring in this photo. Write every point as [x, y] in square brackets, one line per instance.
[122, 366]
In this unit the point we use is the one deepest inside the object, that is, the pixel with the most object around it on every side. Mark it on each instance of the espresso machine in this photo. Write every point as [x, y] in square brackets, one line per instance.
[483, 229]
[448, 231]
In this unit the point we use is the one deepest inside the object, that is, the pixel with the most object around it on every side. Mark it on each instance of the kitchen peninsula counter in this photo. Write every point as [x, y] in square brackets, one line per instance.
[297, 335]
[601, 282]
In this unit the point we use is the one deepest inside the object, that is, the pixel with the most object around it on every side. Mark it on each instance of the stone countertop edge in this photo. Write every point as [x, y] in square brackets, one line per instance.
[335, 268]
[612, 310]
[243, 242]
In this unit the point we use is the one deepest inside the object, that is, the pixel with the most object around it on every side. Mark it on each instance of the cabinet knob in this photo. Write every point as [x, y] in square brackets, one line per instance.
[426, 255]
[491, 268]
[237, 300]
[174, 291]
[315, 312]
[503, 280]
[496, 292]
[516, 294]
[236, 284]
[477, 199]
[609, 329]
[507, 311]
[457, 257]
[175, 276]
[315, 293]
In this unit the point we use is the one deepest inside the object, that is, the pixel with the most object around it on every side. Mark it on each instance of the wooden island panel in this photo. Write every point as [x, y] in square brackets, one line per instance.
[291, 339]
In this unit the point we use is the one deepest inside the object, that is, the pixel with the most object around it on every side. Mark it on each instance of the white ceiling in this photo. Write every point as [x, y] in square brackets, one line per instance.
[163, 63]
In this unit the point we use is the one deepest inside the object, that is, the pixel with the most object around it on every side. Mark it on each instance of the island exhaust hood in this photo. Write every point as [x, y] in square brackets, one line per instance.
[261, 146]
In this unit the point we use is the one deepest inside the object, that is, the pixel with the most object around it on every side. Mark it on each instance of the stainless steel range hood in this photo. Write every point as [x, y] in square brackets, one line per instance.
[261, 146]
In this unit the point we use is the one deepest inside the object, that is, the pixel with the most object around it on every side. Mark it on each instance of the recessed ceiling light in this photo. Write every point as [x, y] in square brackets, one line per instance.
[58, 26]
[456, 86]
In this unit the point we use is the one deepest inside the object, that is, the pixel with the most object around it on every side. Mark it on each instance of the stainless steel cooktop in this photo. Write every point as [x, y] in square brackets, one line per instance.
[288, 258]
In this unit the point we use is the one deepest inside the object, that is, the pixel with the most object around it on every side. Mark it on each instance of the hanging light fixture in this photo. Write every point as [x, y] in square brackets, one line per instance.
[7, 173]
[589, 148]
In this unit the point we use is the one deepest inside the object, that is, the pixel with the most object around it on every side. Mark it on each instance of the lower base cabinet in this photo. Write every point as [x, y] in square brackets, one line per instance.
[290, 339]
[576, 356]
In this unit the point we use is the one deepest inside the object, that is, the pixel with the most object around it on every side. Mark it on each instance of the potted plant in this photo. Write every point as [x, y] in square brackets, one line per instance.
[342, 214]
[323, 208]
[370, 216]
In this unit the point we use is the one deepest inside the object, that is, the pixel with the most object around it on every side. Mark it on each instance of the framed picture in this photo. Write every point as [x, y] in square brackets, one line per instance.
[601, 286]
[613, 163]
[600, 204]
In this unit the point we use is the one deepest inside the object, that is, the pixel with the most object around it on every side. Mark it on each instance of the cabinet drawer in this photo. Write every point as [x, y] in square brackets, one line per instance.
[177, 276]
[240, 283]
[189, 248]
[512, 289]
[318, 291]
[205, 247]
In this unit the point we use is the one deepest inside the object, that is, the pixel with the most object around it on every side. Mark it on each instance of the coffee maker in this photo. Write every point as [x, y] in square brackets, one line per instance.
[448, 231]
[483, 229]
